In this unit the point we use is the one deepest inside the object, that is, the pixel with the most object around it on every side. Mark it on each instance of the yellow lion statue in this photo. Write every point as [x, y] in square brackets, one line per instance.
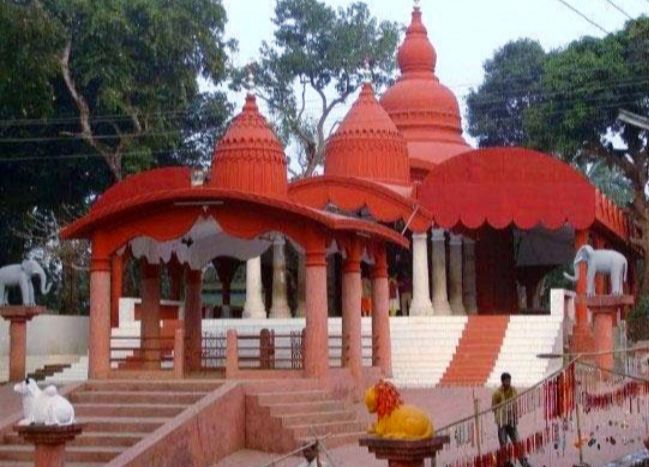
[395, 420]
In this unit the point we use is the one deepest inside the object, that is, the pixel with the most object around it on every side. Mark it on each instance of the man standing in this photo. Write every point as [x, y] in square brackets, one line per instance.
[503, 405]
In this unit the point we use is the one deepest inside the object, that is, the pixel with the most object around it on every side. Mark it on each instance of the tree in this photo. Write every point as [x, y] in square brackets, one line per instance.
[320, 51]
[511, 85]
[92, 91]
[574, 112]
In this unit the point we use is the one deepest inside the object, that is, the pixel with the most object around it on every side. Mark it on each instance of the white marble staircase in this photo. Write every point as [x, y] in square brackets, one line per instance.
[525, 338]
[422, 348]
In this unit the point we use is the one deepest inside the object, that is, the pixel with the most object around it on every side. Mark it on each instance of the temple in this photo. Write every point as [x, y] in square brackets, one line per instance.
[405, 206]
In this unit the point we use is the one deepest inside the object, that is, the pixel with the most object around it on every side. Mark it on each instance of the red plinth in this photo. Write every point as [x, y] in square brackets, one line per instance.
[404, 453]
[605, 310]
[18, 317]
[50, 442]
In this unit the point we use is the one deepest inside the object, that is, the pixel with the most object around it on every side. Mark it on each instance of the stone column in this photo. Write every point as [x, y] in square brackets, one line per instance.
[421, 304]
[99, 335]
[117, 273]
[150, 318]
[440, 293]
[352, 351]
[582, 338]
[316, 346]
[455, 275]
[381, 343]
[279, 307]
[254, 306]
[301, 286]
[469, 279]
[18, 315]
[193, 319]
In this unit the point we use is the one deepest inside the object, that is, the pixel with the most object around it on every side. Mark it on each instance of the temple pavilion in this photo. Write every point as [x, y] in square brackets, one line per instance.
[480, 227]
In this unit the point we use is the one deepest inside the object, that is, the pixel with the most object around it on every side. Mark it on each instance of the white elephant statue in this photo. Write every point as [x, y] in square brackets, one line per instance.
[20, 275]
[607, 262]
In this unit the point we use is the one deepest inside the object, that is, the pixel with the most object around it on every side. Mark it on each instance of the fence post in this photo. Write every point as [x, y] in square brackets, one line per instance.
[232, 355]
[179, 352]
[476, 411]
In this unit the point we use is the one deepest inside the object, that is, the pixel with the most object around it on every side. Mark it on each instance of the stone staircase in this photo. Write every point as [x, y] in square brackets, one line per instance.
[116, 415]
[477, 351]
[76, 372]
[295, 416]
[48, 370]
[423, 347]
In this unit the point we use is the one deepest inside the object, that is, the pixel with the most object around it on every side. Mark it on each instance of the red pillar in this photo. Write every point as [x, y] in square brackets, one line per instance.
[316, 346]
[193, 319]
[117, 274]
[381, 343]
[99, 336]
[18, 350]
[582, 335]
[150, 319]
[352, 351]
[603, 330]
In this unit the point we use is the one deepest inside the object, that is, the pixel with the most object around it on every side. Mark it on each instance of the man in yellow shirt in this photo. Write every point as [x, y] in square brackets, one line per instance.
[505, 414]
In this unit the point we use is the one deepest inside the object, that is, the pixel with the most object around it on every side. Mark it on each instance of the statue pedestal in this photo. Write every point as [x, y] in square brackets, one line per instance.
[18, 315]
[50, 442]
[606, 310]
[404, 453]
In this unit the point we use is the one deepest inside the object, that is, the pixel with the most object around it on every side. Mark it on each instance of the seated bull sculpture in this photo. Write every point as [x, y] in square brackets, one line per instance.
[43, 406]
[608, 262]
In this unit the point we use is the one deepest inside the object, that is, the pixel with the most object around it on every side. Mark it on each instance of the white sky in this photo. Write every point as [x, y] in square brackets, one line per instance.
[465, 33]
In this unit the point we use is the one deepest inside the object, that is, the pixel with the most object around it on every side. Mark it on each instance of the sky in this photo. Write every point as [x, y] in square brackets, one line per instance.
[465, 33]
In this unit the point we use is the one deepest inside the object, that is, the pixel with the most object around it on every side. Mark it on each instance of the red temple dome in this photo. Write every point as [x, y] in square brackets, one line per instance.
[424, 110]
[367, 144]
[249, 157]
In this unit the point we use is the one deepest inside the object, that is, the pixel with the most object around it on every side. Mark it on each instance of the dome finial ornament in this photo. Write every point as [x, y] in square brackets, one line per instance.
[250, 78]
[417, 2]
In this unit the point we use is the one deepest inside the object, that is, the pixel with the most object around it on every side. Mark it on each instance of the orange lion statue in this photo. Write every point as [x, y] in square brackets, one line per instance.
[395, 419]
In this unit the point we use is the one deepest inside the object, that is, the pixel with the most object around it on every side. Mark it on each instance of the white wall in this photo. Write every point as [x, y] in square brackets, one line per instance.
[51, 335]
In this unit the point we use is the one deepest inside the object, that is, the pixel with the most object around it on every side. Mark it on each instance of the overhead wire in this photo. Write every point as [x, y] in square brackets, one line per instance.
[583, 15]
[618, 8]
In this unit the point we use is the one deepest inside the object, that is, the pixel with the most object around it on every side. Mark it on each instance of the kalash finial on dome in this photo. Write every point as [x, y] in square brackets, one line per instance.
[249, 157]
[417, 54]
[367, 144]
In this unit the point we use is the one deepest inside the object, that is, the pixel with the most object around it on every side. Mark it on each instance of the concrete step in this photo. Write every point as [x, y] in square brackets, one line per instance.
[318, 417]
[147, 386]
[126, 397]
[128, 410]
[67, 464]
[89, 439]
[322, 429]
[72, 453]
[123, 424]
[337, 439]
[268, 398]
[304, 407]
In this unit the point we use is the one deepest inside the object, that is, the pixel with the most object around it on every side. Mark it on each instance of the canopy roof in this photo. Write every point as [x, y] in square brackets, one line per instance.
[504, 186]
[386, 203]
[162, 204]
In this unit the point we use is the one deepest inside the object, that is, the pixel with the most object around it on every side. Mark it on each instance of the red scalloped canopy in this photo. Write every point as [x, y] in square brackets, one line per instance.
[503, 186]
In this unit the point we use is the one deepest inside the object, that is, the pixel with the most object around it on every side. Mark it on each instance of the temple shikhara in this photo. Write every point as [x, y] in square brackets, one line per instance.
[413, 257]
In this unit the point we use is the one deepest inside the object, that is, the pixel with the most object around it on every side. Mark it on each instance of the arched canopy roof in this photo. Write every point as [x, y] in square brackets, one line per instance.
[162, 204]
[504, 186]
[384, 202]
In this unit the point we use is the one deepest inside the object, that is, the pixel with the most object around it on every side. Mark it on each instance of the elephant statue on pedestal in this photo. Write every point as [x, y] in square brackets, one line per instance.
[607, 262]
[20, 275]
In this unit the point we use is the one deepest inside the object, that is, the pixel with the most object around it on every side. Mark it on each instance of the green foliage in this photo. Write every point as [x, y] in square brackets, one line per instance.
[319, 50]
[92, 91]
[511, 85]
[638, 320]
